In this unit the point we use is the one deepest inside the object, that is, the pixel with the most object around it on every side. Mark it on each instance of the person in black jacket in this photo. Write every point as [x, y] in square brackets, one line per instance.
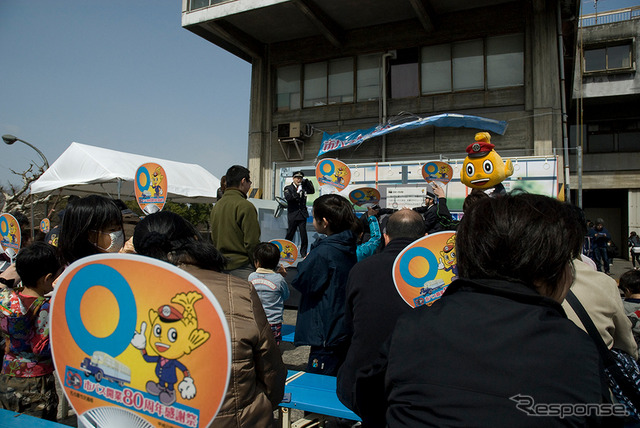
[497, 349]
[296, 196]
[373, 303]
[435, 213]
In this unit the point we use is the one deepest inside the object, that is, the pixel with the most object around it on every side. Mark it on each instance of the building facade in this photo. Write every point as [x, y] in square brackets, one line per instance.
[335, 66]
[605, 137]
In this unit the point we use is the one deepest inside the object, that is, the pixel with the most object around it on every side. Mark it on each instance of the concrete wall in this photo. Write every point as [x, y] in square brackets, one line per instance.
[533, 111]
[608, 85]
[609, 96]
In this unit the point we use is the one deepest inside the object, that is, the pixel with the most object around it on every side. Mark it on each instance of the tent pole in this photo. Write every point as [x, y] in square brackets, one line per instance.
[33, 233]
[119, 187]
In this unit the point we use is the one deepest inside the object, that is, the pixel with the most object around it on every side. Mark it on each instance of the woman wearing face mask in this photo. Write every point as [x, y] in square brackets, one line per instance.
[92, 225]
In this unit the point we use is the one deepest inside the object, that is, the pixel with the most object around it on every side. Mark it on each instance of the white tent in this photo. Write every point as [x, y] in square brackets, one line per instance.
[84, 170]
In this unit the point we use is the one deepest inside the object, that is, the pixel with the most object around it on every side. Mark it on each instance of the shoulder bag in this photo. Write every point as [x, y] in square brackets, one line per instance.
[621, 369]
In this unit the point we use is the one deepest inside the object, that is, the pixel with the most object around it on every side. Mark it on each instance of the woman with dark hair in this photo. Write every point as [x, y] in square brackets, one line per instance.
[322, 277]
[169, 237]
[498, 343]
[524, 238]
[257, 373]
[91, 225]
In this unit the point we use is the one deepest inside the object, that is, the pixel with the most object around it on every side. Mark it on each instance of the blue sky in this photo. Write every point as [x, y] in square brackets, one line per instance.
[117, 74]
[588, 6]
[124, 75]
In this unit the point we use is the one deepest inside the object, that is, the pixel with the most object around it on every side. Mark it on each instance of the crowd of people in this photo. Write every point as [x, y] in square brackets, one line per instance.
[501, 339]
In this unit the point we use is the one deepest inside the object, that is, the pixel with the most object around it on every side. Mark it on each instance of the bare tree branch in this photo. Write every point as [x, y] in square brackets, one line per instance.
[19, 197]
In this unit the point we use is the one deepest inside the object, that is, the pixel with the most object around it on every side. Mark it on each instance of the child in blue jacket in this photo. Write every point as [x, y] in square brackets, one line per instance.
[321, 280]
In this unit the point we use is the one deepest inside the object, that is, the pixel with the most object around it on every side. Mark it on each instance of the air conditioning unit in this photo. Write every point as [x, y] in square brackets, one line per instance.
[289, 130]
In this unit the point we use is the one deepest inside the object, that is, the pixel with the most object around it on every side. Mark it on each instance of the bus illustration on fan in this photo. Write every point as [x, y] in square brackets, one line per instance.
[102, 366]
[431, 292]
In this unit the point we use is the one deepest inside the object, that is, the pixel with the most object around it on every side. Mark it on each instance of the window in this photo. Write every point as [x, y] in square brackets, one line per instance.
[468, 65]
[629, 142]
[199, 4]
[619, 57]
[479, 64]
[622, 135]
[505, 61]
[341, 81]
[288, 88]
[404, 74]
[436, 69]
[595, 59]
[461, 66]
[315, 84]
[600, 143]
[368, 77]
[318, 83]
[608, 58]
[328, 82]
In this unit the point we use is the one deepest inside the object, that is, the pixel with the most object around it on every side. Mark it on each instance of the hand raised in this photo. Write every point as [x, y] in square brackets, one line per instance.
[139, 340]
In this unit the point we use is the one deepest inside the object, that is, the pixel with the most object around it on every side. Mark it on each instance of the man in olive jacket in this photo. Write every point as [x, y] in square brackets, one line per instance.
[235, 229]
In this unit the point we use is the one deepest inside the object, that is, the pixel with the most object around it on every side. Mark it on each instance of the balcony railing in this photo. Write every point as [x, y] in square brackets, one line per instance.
[611, 16]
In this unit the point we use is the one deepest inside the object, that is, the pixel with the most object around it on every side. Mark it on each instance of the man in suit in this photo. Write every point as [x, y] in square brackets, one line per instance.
[296, 196]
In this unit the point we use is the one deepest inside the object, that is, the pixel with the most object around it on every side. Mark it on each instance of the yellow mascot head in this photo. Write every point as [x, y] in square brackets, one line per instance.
[483, 167]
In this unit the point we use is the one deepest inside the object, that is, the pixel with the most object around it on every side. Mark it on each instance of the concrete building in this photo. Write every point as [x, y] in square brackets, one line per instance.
[343, 65]
[606, 95]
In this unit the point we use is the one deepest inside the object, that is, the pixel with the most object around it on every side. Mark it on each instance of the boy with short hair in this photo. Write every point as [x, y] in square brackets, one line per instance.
[270, 285]
[27, 382]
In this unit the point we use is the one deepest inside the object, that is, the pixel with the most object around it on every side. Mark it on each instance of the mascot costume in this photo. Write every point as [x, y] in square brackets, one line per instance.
[483, 167]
